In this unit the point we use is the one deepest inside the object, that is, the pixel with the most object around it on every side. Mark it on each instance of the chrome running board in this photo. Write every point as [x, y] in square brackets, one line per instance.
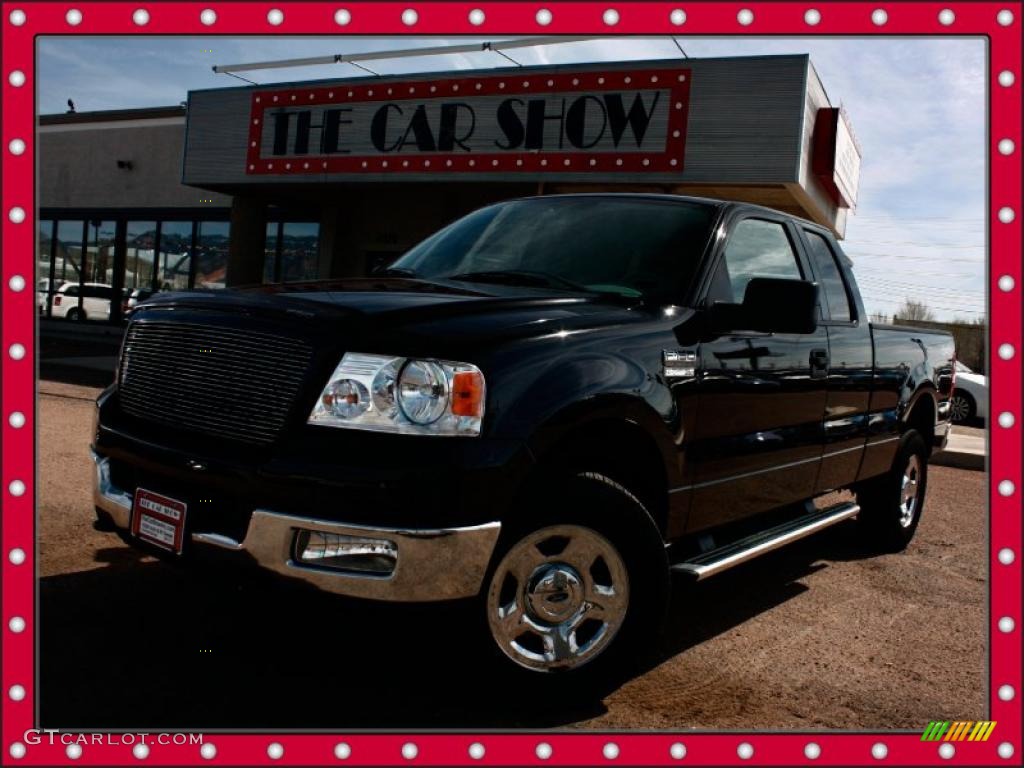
[722, 559]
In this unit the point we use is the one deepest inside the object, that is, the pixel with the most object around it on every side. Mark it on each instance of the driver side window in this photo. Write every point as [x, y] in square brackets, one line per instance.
[756, 248]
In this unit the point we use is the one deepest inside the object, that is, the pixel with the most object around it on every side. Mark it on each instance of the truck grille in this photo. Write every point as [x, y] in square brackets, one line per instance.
[231, 383]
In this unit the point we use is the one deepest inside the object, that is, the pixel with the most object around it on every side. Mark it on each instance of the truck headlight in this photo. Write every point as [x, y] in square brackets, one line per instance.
[406, 395]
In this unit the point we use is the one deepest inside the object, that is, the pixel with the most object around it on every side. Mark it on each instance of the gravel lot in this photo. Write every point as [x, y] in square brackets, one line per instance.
[819, 635]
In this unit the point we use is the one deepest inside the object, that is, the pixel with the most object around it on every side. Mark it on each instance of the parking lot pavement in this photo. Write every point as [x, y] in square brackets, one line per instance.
[819, 635]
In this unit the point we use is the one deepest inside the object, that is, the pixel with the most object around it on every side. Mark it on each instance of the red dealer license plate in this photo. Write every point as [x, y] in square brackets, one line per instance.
[158, 519]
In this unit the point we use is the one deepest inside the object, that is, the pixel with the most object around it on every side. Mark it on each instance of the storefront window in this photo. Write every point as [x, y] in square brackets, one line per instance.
[44, 258]
[175, 256]
[270, 252]
[68, 254]
[140, 247]
[212, 254]
[300, 251]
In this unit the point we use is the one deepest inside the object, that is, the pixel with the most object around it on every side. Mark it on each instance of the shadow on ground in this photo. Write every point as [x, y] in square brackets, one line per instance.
[141, 644]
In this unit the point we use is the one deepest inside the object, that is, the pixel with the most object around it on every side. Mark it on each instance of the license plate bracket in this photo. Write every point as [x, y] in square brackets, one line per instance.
[159, 520]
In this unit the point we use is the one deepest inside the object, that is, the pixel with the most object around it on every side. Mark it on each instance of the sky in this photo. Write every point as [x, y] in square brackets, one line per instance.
[917, 105]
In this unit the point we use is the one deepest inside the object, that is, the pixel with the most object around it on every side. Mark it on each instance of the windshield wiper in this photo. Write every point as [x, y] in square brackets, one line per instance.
[519, 277]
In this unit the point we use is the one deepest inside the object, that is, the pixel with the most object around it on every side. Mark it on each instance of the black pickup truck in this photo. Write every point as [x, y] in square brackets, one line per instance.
[547, 407]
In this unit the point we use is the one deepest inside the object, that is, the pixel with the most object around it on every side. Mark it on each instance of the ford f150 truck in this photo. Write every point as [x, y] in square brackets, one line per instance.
[547, 407]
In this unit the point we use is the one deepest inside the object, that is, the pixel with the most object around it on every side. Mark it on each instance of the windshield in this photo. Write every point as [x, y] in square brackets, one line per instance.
[640, 247]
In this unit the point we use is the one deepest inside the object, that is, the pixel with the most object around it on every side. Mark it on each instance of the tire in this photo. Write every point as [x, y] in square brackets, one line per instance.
[75, 314]
[962, 407]
[577, 589]
[891, 505]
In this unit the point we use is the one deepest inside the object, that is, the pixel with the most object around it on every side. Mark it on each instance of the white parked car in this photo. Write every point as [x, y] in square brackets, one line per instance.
[970, 395]
[95, 301]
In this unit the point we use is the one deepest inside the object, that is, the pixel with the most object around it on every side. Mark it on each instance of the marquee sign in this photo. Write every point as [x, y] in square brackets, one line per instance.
[569, 122]
[836, 160]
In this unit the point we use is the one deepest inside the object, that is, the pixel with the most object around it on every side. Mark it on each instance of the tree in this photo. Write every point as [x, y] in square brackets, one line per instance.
[915, 310]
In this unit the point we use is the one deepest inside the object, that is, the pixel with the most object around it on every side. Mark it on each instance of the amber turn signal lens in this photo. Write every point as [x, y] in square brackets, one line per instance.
[468, 394]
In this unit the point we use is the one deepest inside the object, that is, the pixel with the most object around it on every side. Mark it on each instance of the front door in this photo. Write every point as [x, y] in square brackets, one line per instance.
[758, 436]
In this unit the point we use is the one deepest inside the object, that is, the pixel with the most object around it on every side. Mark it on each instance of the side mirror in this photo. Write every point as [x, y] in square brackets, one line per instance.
[771, 305]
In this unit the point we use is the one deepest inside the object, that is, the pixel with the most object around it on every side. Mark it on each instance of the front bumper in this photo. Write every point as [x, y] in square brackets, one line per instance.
[430, 564]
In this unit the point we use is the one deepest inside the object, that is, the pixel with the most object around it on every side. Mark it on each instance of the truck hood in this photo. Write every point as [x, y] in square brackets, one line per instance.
[413, 309]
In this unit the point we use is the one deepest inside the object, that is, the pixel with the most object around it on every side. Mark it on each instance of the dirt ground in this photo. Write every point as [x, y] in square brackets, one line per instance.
[818, 635]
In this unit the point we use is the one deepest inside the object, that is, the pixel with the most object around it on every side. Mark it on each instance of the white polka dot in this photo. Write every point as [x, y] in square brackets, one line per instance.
[677, 17]
[1006, 78]
[946, 17]
[209, 17]
[1006, 556]
[1006, 488]
[208, 751]
[618, 161]
[1005, 17]
[526, 83]
[1006, 420]
[745, 17]
[1005, 750]
[410, 750]
[1006, 283]
[812, 17]
[16, 692]
[812, 751]
[1006, 351]
[342, 17]
[17, 351]
[879, 751]
[1006, 215]
[878, 18]
[544, 17]
[410, 17]
[946, 751]
[17, 17]
[476, 750]
[275, 16]
[140, 17]
[678, 751]
[610, 17]
[1006, 146]
[610, 751]
[543, 750]
[745, 751]
[342, 751]
[73, 17]
[16, 556]
[16, 214]
[477, 17]
[275, 751]
[16, 283]
[141, 751]
[73, 751]
[1006, 693]
[1006, 625]
[16, 78]
[673, 162]
[17, 750]
[16, 488]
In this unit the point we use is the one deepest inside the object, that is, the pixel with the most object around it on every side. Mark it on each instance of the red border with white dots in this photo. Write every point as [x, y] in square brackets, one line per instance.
[1000, 22]
[668, 158]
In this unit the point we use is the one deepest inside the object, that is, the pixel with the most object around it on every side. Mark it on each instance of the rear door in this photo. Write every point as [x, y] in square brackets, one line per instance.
[757, 440]
[851, 362]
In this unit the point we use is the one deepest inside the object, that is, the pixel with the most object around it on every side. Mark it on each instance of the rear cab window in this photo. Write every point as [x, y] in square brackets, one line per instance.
[835, 297]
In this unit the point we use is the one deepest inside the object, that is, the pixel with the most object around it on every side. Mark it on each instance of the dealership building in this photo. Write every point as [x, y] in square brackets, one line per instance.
[324, 179]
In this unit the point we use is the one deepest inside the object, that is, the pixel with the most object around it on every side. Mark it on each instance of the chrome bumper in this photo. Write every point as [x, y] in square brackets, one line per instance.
[430, 564]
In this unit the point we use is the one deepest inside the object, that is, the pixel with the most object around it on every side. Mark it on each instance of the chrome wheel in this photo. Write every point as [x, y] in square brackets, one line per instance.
[558, 598]
[909, 490]
[959, 409]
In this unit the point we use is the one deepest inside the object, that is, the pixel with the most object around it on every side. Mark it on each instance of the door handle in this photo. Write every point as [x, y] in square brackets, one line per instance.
[819, 363]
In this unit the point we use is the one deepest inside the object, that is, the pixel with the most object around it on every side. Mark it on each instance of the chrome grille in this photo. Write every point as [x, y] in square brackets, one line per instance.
[232, 383]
